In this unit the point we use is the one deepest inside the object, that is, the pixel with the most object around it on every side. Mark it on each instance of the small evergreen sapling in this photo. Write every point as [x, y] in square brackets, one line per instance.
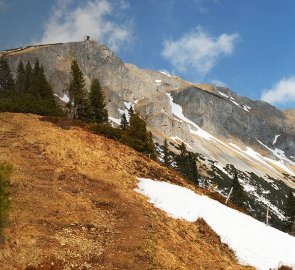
[124, 122]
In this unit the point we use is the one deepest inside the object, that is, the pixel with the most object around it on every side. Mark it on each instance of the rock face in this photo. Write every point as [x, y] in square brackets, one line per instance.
[228, 117]
[224, 113]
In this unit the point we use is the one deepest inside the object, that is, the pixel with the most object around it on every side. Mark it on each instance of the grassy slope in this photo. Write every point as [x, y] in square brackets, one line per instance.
[74, 206]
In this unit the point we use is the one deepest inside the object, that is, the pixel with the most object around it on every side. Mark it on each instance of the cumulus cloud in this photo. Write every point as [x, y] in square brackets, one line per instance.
[283, 92]
[198, 51]
[95, 18]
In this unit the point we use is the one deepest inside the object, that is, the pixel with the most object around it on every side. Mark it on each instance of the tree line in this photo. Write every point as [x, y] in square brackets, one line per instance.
[29, 92]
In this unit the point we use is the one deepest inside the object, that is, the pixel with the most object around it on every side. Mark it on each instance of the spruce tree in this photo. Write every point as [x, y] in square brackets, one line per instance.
[136, 135]
[28, 77]
[34, 82]
[6, 78]
[124, 122]
[290, 211]
[181, 159]
[151, 149]
[193, 174]
[238, 196]
[20, 78]
[166, 153]
[130, 111]
[98, 111]
[77, 93]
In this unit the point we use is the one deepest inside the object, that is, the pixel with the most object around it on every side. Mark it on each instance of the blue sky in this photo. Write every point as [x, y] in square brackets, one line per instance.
[248, 45]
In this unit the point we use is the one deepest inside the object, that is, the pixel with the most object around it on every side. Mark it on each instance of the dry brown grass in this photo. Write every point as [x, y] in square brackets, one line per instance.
[74, 206]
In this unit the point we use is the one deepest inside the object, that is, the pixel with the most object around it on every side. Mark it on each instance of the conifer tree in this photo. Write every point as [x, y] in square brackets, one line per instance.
[238, 196]
[6, 78]
[181, 159]
[77, 93]
[20, 78]
[98, 111]
[290, 211]
[166, 152]
[124, 122]
[34, 79]
[193, 174]
[151, 149]
[28, 77]
[130, 111]
[137, 133]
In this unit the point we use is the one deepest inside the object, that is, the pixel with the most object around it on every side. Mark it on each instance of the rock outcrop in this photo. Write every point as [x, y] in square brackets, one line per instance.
[228, 118]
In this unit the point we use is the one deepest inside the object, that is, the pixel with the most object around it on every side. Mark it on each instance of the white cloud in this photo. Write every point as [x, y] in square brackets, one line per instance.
[93, 18]
[283, 92]
[198, 51]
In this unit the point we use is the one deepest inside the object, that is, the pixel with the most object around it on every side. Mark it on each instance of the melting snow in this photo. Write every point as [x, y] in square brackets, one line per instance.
[115, 120]
[254, 243]
[177, 111]
[165, 73]
[176, 138]
[158, 82]
[275, 139]
[223, 94]
[280, 154]
[65, 98]
[246, 108]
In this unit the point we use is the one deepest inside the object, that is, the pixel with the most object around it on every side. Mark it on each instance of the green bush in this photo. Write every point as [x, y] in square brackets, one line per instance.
[5, 171]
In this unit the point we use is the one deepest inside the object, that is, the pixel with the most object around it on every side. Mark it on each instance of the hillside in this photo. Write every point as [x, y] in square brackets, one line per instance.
[74, 206]
[225, 130]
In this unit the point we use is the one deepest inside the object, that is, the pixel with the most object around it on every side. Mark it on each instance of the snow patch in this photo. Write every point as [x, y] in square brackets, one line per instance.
[115, 120]
[223, 94]
[275, 139]
[176, 138]
[65, 98]
[158, 82]
[246, 108]
[165, 73]
[177, 111]
[254, 243]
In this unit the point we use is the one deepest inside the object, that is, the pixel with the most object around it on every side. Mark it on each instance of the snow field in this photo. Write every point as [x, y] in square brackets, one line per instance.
[253, 242]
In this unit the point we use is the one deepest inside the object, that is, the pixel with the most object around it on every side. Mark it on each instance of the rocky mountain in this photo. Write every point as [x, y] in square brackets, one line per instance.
[223, 128]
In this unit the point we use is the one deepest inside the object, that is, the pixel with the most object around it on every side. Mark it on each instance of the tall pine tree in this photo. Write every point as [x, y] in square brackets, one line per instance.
[28, 77]
[151, 149]
[181, 159]
[97, 105]
[6, 78]
[166, 154]
[193, 174]
[77, 93]
[20, 84]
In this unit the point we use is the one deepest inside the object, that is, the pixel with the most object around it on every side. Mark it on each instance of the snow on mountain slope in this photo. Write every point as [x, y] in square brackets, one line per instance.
[249, 154]
[253, 242]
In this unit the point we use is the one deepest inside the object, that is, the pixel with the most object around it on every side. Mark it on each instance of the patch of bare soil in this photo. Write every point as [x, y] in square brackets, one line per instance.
[74, 206]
